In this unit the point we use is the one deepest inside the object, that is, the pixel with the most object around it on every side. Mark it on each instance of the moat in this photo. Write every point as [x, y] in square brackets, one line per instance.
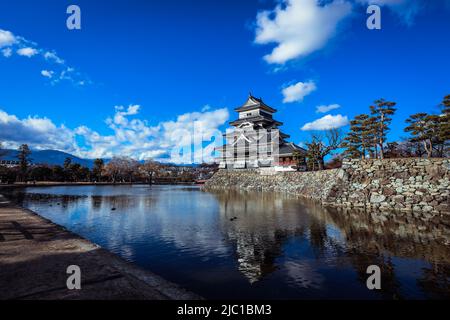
[230, 244]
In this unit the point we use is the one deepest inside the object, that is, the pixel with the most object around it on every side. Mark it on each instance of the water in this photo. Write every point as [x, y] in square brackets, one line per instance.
[251, 245]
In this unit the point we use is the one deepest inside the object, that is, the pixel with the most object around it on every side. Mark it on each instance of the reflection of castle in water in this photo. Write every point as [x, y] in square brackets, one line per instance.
[260, 230]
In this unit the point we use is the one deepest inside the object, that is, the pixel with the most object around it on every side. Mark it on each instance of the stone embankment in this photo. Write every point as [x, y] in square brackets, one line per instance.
[413, 184]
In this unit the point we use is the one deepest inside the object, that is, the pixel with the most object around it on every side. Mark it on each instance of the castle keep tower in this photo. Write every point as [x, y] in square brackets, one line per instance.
[255, 140]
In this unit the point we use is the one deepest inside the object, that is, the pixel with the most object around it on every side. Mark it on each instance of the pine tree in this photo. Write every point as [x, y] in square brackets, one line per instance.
[312, 152]
[24, 160]
[359, 140]
[300, 159]
[99, 164]
[67, 163]
[367, 133]
[444, 130]
[382, 112]
[424, 128]
[68, 172]
[353, 142]
[370, 128]
[435, 127]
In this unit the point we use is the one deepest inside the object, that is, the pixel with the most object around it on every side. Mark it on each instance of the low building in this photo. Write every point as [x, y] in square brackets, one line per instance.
[9, 163]
[255, 141]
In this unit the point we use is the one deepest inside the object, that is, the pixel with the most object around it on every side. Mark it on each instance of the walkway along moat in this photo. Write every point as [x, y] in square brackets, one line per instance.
[35, 254]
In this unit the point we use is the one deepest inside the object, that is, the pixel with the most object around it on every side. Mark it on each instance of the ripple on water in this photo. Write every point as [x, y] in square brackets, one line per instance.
[251, 245]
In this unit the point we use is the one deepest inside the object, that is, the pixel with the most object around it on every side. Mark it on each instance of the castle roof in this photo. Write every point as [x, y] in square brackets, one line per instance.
[289, 148]
[253, 103]
[255, 119]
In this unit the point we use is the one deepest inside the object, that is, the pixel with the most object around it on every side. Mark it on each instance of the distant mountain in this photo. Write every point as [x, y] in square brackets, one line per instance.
[55, 157]
[172, 164]
[52, 157]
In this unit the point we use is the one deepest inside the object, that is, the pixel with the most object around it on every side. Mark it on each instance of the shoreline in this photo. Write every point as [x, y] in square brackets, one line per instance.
[421, 186]
[73, 184]
[36, 253]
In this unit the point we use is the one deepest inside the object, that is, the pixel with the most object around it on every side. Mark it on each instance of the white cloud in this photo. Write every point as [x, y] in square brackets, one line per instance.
[297, 92]
[193, 128]
[327, 122]
[7, 52]
[41, 133]
[326, 108]
[62, 72]
[130, 136]
[299, 27]
[6, 38]
[69, 74]
[47, 73]
[120, 116]
[27, 52]
[51, 56]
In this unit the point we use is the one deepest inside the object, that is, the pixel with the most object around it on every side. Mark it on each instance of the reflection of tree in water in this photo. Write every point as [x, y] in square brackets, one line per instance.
[23, 198]
[400, 235]
[436, 281]
[318, 236]
[96, 203]
[118, 202]
[373, 238]
[265, 223]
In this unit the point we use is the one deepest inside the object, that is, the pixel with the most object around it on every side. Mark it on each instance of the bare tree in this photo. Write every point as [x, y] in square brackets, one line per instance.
[121, 169]
[320, 147]
[149, 168]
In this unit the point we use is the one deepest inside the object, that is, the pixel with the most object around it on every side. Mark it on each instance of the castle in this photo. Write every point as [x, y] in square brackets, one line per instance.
[255, 140]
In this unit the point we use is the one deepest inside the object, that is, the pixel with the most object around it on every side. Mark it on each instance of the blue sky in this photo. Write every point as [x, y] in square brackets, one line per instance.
[138, 71]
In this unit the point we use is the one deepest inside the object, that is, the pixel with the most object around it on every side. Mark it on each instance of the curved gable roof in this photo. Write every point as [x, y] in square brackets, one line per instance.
[254, 103]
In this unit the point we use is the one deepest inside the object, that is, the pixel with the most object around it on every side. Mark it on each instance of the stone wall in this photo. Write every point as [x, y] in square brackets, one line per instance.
[417, 185]
[401, 184]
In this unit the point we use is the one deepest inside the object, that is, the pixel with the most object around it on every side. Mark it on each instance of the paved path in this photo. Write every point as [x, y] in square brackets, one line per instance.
[35, 253]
